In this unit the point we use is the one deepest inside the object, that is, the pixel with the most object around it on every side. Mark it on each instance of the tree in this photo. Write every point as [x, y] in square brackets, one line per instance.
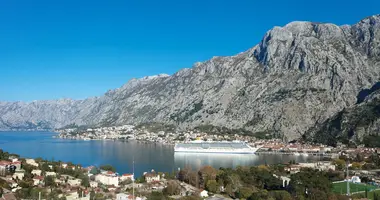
[244, 192]
[280, 195]
[212, 186]
[108, 168]
[340, 164]
[173, 188]
[356, 165]
[156, 196]
[49, 181]
[85, 181]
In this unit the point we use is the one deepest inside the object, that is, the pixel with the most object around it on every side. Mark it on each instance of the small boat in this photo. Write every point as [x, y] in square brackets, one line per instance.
[305, 154]
[297, 154]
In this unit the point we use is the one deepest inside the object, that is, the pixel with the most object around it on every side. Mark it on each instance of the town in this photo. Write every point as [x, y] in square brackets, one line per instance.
[36, 178]
[171, 137]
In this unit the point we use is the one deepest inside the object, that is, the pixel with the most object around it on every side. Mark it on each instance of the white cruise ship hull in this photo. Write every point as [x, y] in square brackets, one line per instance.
[222, 147]
[252, 151]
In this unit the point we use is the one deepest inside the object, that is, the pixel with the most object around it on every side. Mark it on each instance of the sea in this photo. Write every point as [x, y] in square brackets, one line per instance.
[122, 154]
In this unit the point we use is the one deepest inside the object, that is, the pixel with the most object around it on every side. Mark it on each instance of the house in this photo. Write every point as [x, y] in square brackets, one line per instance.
[122, 196]
[19, 175]
[93, 184]
[151, 177]
[125, 177]
[64, 165]
[203, 193]
[50, 174]
[74, 182]
[107, 179]
[31, 162]
[2, 170]
[59, 181]
[38, 180]
[17, 164]
[36, 172]
[13, 158]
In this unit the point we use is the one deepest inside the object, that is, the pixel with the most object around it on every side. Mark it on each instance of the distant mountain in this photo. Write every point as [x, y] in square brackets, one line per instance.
[298, 76]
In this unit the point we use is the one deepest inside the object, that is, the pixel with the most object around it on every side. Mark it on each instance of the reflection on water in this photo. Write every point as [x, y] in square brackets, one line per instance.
[197, 160]
[121, 154]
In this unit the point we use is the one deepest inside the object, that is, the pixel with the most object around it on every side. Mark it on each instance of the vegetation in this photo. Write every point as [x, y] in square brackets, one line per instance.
[341, 188]
[108, 168]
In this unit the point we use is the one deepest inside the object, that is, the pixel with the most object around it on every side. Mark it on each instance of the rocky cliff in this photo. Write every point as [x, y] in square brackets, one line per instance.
[354, 125]
[299, 75]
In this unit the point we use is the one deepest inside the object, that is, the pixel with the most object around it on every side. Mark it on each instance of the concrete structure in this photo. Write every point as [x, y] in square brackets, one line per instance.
[50, 174]
[36, 172]
[38, 180]
[31, 162]
[93, 184]
[107, 179]
[151, 177]
[74, 182]
[125, 177]
[203, 194]
[19, 175]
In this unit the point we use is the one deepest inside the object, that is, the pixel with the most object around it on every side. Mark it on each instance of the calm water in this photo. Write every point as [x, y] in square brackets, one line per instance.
[121, 154]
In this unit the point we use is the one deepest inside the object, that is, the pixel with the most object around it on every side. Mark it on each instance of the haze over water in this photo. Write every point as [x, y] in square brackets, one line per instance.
[121, 154]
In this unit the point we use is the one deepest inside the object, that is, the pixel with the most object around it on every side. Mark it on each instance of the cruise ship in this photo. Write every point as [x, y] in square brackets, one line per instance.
[198, 146]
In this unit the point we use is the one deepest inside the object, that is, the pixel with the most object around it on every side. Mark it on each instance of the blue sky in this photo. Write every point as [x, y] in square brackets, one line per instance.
[81, 48]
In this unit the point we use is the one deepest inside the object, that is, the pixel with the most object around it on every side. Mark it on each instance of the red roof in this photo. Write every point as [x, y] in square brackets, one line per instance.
[4, 162]
[109, 172]
[127, 174]
[16, 162]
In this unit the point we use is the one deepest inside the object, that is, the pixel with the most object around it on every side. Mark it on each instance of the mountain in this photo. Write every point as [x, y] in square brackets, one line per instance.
[298, 76]
[358, 124]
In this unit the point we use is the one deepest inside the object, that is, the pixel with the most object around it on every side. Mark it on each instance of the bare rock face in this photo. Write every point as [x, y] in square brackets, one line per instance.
[351, 125]
[299, 75]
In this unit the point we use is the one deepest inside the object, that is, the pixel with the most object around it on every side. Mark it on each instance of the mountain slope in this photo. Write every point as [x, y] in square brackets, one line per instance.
[298, 75]
[354, 124]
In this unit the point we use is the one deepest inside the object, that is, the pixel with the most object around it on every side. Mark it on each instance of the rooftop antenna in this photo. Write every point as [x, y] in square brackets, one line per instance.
[133, 179]
[348, 182]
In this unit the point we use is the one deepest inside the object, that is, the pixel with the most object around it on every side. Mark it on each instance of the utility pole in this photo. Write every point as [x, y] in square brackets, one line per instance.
[348, 182]
[133, 179]
[39, 195]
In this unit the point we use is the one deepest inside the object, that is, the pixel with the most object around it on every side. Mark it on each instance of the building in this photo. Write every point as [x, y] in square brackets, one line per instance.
[19, 175]
[107, 179]
[125, 177]
[17, 164]
[36, 172]
[93, 184]
[203, 193]
[74, 182]
[31, 162]
[38, 180]
[151, 177]
[122, 196]
[321, 166]
[50, 174]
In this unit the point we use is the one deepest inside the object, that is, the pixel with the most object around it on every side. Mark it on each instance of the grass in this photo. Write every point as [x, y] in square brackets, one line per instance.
[370, 195]
[341, 188]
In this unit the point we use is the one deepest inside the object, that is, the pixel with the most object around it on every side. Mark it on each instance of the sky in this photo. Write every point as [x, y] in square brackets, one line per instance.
[82, 48]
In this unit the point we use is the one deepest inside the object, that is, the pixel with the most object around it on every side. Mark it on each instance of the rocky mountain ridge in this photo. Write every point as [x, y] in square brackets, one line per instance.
[298, 76]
